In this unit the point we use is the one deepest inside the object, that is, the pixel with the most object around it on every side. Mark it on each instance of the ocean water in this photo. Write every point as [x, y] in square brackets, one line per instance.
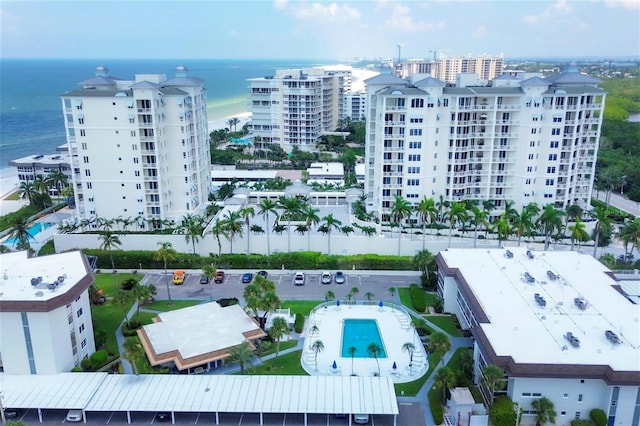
[31, 120]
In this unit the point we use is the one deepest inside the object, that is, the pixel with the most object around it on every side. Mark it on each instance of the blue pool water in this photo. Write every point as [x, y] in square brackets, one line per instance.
[360, 333]
[34, 230]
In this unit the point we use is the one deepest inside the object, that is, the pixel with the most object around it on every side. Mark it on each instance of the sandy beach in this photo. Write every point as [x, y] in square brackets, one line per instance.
[222, 123]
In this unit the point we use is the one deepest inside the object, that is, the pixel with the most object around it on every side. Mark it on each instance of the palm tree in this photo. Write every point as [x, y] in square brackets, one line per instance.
[193, 227]
[247, 213]
[523, 224]
[369, 296]
[400, 210]
[352, 293]
[428, 213]
[545, 412]
[439, 344]
[122, 299]
[291, 207]
[233, 226]
[267, 207]
[444, 379]
[502, 228]
[549, 221]
[329, 224]
[133, 351]
[41, 184]
[603, 221]
[311, 219]
[630, 233]
[578, 232]
[374, 350]
[493, 379]
[279, 328]
[392, 291]
[109, 242]
[27, 190]
[242, 354]
[329, 295]
[317, 347]
[140, 293]
[479, 218]
[352, 353]
[219, 229]
[409, 348]
[165, 253]
[457, 212]
[421, 261]
[59, 180]
[20, 232]
[234, 121]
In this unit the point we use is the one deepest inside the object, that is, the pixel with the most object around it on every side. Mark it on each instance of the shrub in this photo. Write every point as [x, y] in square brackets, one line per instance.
[98, 358]
[299, 324]
[86, 364]
[418, 298]
[598, 416]
[438, 305]
[501, 412]
[582, 422]
[128, 284]
[227, 302]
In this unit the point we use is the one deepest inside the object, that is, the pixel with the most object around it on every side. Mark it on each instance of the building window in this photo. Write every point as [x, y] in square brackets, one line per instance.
[554, 144]
[415, 132]
[136, 160]
[87, 172]
[80, 120]
[551, 169]
[83, 343]
[85, 159]
[534, 131]
[79, 312]
[555, 132]
[580, 398]
[553, 157]
[415, 145]
[137, 173]
[27, 341]
[82, 132]
[81, 328]
[89, 185]
[577, 416]
[414, 157]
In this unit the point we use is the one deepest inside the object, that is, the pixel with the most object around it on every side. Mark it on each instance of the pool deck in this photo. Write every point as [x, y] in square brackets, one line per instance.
[395, 328]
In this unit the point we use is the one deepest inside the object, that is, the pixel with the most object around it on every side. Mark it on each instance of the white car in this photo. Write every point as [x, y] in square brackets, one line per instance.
[361, 419]
[298, 278]
[326, 278]
[74, 416]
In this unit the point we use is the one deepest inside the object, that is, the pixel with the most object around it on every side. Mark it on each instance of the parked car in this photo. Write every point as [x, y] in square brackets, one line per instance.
[264, 274]
[298, 278]
[74, 416]
[163, 417]
[361, 419]
[13, 413]
[325, 278]
[178, 277]
[204, 279]
[339, 277]
[247, 277]
[219, 279]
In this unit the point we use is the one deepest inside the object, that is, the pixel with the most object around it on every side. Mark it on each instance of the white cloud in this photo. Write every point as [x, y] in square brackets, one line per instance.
[280, 4]
[558, 8]
[480, 32]
[625, 4]
[324, 13]
[402, 20]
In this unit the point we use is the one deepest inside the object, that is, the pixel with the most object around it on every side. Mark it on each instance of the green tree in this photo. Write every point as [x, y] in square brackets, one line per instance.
[457, 213]
[241, 354]
[141, 293]
[598, 416]
[329, 295]
[317, 347]
[352, 293]
[279, 329]
[369, 296]
[260, 295]
[20, 232]
[109, 242]
[392, 291]
[428, 213]
[311, 219]
[478, 218]
[165, 254]
[444, 379]
[133, 351]
[424, 262]
[291, 208]
[630, 234]
[27, 190]
[374, 350]
[493, 378]
[550, 221]
[233, 226]
[247, 213]
[578, 232]
[58, 180]
[193, 227]
[267, 207]
[545, 411]
[523, 224]
[233, 122]
[219, 229]
[409, 348]
[352, 353]
[603, 222]
[330, 223]
[502, 412]
[439, 344]
[400, 210]
[123, 299]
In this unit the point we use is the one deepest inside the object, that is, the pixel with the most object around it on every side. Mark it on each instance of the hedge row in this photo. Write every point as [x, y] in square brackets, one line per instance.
[298, 260]
[418, 298]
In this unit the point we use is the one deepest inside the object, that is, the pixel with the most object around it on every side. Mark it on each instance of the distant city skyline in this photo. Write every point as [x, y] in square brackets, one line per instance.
[284, 29]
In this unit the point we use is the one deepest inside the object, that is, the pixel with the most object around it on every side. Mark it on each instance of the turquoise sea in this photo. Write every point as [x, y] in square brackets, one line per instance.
[31, 119]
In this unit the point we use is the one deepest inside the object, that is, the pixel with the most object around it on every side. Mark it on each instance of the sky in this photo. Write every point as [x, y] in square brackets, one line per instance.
[299, 29]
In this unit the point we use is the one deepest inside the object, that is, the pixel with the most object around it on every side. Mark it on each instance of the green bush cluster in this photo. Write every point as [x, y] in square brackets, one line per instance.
[418, 298]
[95, 361]
[598, 417]
[501, 413]
[299, 324]
[128, 284]
[298, 260]
[582, 422]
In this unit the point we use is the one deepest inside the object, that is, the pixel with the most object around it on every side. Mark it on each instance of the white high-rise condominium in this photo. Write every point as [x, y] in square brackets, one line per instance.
[294, 107]
[533, 140]
[486, 67]
[139, 149]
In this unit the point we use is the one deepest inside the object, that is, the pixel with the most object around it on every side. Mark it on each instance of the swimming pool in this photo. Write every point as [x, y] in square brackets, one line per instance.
[34, 230]
[360, 333]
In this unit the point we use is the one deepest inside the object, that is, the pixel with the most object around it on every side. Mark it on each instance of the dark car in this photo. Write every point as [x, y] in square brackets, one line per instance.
[204, 279]
[163, 417]
[339, 277]
[219, 279]
[247, 277]
[264, 274]
[13, 413]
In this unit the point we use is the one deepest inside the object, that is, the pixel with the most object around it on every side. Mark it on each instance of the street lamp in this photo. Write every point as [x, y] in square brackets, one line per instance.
[624, 180]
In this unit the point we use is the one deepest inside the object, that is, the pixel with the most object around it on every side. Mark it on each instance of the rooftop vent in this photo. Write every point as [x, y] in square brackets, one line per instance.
[39, 294]
[35, 281]
[552, 276]
[612, 337]
[530, 254]
[540, 300]
[573, 340]
[509, 254]
[528, 278]
[580, 303]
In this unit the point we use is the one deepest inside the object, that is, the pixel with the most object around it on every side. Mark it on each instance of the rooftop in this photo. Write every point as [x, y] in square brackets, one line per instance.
[511, 317]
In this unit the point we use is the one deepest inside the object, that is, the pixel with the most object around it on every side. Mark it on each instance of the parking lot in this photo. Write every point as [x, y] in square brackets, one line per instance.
[377, 283]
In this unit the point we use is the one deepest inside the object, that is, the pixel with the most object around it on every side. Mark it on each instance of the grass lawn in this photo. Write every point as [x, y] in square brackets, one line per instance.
[163, 305]
[405, 297]
[284, 365]
[435, 393]
[284, 344]
[14, 196]
[108, 317]
[412, 388]
[106, 283]
[445, 323]
[300, 306]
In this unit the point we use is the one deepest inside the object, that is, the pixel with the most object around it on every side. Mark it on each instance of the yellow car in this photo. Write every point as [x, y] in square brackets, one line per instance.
[178, 277]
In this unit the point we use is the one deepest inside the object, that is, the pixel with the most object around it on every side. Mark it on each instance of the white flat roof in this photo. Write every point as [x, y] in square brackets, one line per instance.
[244, 174]
[319, 170]
[201, 393]
[199, 329]
[18, 270]
[54, 391]
[530, 333]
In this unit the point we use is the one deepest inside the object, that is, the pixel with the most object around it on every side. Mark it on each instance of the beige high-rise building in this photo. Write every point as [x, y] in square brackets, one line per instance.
[487, 67]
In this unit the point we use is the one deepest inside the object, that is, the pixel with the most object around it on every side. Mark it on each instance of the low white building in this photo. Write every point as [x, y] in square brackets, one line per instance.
[325, 173]
[45, 312]
[557, 323]
[27, 168]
